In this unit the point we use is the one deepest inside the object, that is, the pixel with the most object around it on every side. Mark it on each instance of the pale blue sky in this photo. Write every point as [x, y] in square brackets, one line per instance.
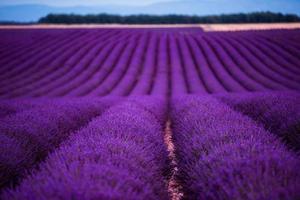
[80, 2]
[39, 8]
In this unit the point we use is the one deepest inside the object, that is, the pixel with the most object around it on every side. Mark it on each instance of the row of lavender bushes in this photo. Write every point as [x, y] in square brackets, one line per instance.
[114, 148]
[223, 154]
[119, 154]
[278, 112]
[28, 135]
[152, 61]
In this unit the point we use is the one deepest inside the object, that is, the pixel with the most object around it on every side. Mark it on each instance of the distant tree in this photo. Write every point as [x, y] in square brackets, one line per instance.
[255, 17]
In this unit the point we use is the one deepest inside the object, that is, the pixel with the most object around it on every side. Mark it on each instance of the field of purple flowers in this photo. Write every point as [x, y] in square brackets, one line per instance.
[149, 113]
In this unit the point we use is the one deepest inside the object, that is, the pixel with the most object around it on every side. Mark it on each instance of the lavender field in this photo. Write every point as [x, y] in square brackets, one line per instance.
[149, 113]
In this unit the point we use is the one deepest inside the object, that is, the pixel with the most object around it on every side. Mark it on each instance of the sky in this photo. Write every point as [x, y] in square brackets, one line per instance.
[33, 10]
[80, 2]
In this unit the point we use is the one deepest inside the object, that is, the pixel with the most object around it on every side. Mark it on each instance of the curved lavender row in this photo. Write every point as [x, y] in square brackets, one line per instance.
[210, 81]
[144, 80]
[35, 71]
[268, 67]
[22, 52]
[182, 62]
[119, 72]
[278, 54]
[290, 49]
[223, 154]
[95, 71]
[79, 69]
[193, 71]
[232, 66]
[12, 39]
[122, 87]
[251, 64]
[28, 136]
[219, 70]
[76, 67]
[115, 68]
[15, 52]
[272, 60]
[279, 112]
[34, 82]
[19, 51]
[291, 60]
[294, 44]
[32, 64]
[238, 56]
[119, 155]
[178, 74]
[160, 84]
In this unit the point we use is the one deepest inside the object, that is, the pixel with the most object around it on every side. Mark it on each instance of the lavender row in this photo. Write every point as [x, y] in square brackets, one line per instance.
[26, 43]
[223, 154]
[278, 112]
[119, 155]
[29, 135]
[278, 52]
[32, 81]
[123, 62]
[21, 67]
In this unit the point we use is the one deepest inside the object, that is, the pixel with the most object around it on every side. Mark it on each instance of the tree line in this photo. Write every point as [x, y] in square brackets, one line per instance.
[255, 17]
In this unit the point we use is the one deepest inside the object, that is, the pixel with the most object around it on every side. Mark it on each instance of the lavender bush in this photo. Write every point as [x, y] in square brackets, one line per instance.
[278, 112]
[119, 154]
[223, 154]
[28, 136]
